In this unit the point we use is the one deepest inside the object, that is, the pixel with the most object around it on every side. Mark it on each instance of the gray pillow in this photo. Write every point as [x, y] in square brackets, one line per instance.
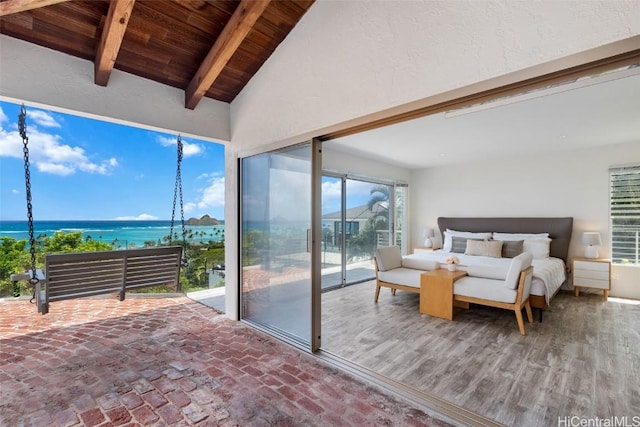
[512, 248]
[459, 244]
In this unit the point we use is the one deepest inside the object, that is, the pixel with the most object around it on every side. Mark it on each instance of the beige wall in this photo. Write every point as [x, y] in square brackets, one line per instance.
[565, 183]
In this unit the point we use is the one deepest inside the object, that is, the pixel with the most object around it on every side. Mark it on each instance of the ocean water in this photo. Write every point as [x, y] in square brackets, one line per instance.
[123, 234]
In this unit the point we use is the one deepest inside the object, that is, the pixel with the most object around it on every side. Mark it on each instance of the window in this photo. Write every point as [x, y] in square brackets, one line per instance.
[625, 214]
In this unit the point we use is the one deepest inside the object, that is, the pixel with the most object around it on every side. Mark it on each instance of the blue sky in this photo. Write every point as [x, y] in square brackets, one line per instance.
[85, 169]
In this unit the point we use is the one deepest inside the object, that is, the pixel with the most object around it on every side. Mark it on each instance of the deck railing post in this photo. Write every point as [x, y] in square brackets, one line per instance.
[124, 275]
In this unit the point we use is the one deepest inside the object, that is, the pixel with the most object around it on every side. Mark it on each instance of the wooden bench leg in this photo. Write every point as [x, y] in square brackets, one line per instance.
[518, 311]
[375, 299]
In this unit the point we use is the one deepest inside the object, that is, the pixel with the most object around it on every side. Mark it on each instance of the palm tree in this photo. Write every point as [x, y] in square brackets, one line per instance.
[378, 204]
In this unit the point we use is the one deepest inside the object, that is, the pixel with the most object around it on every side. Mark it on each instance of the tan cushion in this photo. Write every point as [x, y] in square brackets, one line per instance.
[388, 258]
[490, 248]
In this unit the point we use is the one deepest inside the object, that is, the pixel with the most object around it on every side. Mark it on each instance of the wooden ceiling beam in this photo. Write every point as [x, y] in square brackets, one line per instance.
[9, 7]
[241, 22]
[112, 34]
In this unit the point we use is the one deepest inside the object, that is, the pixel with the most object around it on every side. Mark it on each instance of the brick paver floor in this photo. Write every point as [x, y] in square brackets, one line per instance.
[170, 361]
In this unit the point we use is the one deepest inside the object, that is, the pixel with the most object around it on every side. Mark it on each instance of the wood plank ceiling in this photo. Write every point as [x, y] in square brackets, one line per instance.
[208, 48]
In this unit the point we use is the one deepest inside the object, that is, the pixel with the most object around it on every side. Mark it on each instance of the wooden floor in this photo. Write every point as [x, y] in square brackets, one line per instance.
[582, 360]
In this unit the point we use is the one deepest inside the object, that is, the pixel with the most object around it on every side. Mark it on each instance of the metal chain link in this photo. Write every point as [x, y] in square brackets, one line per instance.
[22, 127]
[178, 189]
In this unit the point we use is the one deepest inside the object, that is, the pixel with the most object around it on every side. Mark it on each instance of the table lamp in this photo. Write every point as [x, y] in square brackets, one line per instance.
[427, 234]
[591, 239]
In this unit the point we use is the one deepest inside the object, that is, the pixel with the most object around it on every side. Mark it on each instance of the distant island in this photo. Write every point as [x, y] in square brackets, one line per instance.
[204, 220]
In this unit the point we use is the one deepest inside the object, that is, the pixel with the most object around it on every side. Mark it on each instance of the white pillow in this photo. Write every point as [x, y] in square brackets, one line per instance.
[519, 236]
[538, 247]
[448, 234]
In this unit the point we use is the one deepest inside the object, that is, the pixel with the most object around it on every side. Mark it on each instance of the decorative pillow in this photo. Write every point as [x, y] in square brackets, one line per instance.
[512, 248]
[448, 235]
[519, 236]
[490, 248]
[539, 248]
[459, 244]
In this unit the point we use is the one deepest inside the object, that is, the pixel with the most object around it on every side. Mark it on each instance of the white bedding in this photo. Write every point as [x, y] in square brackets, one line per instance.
[548, 273]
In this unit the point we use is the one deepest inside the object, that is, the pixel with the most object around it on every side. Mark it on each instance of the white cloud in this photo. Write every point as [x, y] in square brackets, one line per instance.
[359, 188]
[213, 195]
[43, 118]
[332, 189]
[15, 191]
[141, 217]
[190, 207]
[49, 154]
[3, 116]
[188, 149]
[54, 168]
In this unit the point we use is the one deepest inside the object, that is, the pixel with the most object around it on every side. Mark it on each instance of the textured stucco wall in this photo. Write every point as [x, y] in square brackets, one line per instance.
[40, 76]
[347, 59]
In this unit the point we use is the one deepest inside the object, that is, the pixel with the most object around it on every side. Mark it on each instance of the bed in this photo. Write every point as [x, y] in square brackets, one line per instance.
[548, 274]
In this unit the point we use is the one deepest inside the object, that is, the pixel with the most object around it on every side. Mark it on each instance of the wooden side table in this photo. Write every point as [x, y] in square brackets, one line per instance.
[436, 292]
[591, 273]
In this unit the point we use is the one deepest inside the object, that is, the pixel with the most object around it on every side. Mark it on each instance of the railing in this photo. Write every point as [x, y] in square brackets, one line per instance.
[383, 238]
[625, 245]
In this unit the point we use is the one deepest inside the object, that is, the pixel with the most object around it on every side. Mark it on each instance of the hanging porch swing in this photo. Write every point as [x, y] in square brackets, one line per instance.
[81, 274]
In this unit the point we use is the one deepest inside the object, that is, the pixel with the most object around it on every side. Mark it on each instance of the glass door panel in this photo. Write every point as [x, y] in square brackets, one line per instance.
[276, 258]
[332, 255]
[367, 225]
[356, 219]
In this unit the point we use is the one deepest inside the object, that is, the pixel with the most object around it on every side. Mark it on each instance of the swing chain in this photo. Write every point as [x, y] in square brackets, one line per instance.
[178, 188]
[22, 127]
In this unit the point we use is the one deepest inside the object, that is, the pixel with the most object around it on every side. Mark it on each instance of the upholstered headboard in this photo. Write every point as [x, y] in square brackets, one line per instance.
[559, 229]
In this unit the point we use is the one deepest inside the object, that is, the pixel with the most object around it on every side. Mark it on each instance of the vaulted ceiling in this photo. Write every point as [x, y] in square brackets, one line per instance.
[208, 48]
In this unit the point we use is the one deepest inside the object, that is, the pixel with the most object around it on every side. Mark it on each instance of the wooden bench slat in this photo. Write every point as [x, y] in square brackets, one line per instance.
[66, 296]
[161, 270]
[75, 275]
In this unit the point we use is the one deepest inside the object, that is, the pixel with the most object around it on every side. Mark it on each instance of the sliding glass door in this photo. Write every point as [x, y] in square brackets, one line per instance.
[357, 218]
[277, 236]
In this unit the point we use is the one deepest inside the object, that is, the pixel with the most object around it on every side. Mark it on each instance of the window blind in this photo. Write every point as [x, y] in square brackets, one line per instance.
[625, 214]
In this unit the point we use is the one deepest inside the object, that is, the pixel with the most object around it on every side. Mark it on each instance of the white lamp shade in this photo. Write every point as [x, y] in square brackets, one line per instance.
[591, 239]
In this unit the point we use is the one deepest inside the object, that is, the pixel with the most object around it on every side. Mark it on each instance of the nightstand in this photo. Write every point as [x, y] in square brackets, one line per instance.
[591, 273]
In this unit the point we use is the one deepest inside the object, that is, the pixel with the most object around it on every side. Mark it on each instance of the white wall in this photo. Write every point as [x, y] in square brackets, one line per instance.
[564, 183]
[347, 59]
[43, 77]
